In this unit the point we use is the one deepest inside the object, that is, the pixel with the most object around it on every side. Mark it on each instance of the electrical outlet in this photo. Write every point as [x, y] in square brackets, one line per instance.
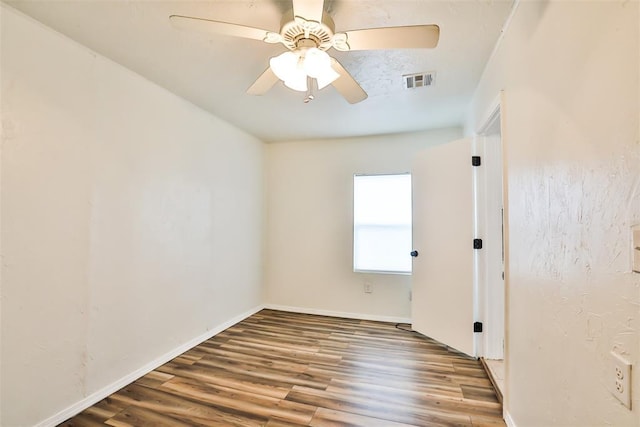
[620, 381]
[368, 288]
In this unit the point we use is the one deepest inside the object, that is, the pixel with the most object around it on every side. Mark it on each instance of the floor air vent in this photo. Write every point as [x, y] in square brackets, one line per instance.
[412, 81]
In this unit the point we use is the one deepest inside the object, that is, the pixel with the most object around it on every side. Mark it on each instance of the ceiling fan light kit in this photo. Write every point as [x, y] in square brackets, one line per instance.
[294, 68]
[308, 33]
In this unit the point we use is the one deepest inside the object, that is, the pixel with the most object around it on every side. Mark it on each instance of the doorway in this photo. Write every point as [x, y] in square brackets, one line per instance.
[491, 202]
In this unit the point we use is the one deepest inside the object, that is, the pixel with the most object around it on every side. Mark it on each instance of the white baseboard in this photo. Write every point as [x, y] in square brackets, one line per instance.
[97, 396]
[507, 419]
[343, 314]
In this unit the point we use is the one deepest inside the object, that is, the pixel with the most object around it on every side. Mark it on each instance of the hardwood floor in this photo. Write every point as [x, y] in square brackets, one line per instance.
[279, 369]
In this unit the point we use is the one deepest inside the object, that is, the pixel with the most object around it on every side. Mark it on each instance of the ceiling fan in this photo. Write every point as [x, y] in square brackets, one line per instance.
[308, 32]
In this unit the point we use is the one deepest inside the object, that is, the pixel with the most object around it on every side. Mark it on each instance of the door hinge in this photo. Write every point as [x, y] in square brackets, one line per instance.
[475, 161]
[477, 327]
[477, 243]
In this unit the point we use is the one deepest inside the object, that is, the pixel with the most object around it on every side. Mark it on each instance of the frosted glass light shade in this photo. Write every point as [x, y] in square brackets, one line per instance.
[315, 62]
[284, 65]
[327, 77]
[297, 80]
[293, 68]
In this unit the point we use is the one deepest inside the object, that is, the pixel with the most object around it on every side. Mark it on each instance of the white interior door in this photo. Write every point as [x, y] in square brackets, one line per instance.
[443, 279]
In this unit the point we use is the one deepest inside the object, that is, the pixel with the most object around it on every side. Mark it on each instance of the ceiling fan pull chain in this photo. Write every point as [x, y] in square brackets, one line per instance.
[309, 96]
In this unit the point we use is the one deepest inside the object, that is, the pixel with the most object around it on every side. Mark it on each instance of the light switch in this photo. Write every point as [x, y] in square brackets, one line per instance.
[635, 232]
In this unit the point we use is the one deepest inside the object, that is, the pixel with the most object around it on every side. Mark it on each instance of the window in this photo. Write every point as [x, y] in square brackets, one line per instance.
[382, 223]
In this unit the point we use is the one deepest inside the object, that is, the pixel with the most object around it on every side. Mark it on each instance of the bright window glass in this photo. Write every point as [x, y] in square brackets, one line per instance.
[382, 223]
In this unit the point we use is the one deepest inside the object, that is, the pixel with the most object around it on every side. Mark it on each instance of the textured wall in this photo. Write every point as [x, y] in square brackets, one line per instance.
[310, 222]
[571, 132]
[131, 222]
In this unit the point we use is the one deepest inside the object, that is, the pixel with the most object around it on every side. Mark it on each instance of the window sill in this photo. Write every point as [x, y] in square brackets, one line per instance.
[395, 273]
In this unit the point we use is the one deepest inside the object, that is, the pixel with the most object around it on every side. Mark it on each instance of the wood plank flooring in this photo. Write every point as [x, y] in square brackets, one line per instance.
[279, 369]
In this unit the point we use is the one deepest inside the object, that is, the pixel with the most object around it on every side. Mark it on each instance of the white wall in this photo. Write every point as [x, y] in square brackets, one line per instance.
[131, 222]
[571, 133]
[309, 227]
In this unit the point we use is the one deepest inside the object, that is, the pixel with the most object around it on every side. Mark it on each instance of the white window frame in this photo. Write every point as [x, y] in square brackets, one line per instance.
[354, 226]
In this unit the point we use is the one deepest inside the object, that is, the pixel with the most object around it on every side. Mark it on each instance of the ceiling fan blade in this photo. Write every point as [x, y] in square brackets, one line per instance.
[416, 36]
[263, 83]
[218, 27]
[346, 85]
[311, 10]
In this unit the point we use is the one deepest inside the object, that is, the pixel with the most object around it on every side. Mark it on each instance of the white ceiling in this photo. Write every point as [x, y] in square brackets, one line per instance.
[214, 71]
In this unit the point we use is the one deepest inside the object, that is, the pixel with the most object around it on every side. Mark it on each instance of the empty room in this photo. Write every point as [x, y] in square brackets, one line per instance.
[320, 213]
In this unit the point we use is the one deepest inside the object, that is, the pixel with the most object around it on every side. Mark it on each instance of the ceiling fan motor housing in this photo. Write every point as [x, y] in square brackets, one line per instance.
[297, 32]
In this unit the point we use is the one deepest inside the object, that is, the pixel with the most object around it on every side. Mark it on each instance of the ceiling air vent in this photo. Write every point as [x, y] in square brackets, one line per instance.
[413, 81]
